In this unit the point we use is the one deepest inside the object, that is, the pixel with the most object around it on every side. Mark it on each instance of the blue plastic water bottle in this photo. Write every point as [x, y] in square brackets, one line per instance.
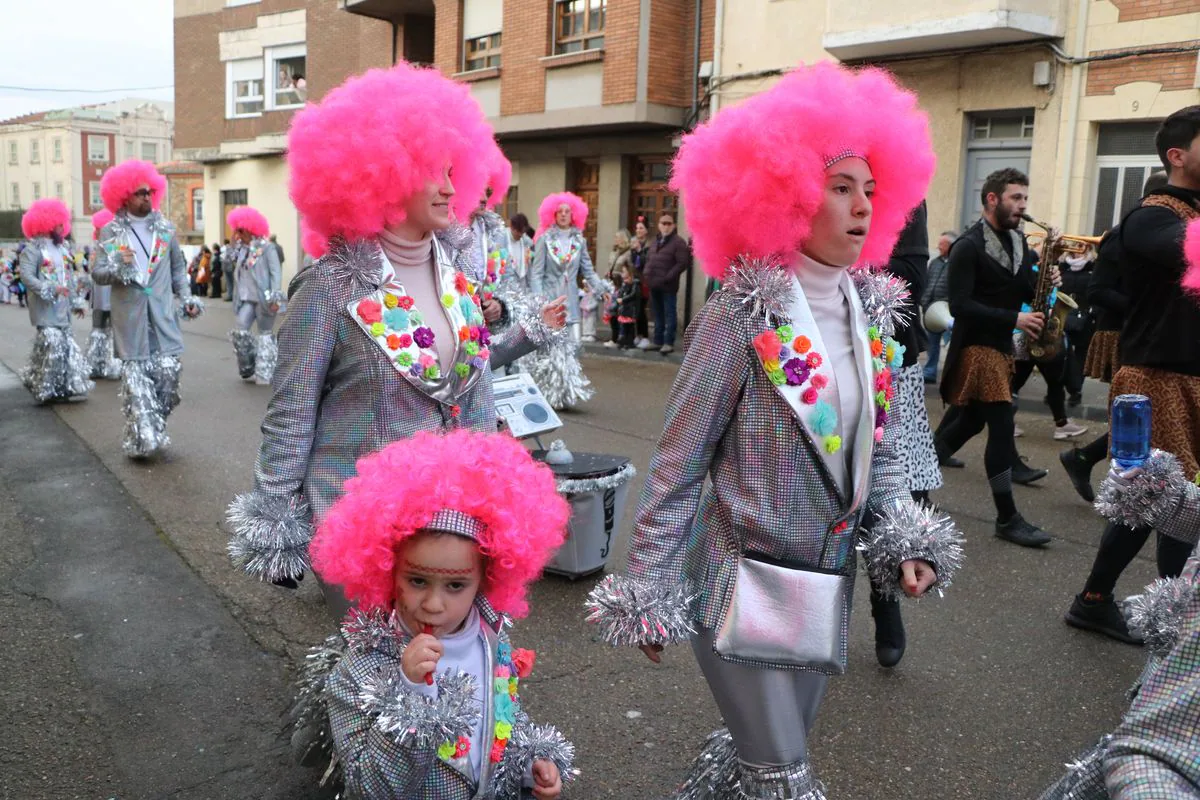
[1129, 430]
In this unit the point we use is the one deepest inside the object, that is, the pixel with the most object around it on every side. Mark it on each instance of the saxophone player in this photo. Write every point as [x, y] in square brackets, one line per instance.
[1159, 358]
[991, 276]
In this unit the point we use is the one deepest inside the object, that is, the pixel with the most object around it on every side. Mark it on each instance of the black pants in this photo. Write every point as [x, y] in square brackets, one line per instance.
[1118, 546]
[1077, 347]
[963, 424]
[1052, 372]
[216, 285]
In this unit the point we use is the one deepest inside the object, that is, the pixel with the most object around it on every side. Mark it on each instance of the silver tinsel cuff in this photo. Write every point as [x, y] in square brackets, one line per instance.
[907, 531]
[1158, 612]
[191, 307]
[79, 303]
[585, 485]
[270, 535]
[885, 299]
[1147, 499]
[276, 298]
[530, 743]
[526, 312]
[418, 721]
[715, 773]
[47, 291]
[632, 612]
[1085, 777]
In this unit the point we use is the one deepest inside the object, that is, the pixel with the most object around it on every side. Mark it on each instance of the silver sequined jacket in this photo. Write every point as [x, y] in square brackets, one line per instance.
[548, 278]
[46, 308]
[336, 397]
[139, 310]
[262, 279]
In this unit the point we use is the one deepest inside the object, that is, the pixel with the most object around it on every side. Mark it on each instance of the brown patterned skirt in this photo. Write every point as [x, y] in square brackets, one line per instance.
[1103, 356]
[1175, 404]
[981, 374]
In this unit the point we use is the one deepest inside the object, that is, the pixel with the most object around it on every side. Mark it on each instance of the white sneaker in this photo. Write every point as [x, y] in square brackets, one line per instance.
[610, 344]
[589, 338]
[1018, 432]
[644, 344]
[1069, 431]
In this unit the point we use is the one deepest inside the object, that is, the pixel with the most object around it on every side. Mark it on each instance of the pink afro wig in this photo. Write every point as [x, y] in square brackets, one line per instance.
[549, 207]
[1191, 253]
[396, 492]
[313, 243]
[499, 177]
[359, 155]
[126, 178]
[99, 220]
[245, 218]
[44, 216]
[765, 158]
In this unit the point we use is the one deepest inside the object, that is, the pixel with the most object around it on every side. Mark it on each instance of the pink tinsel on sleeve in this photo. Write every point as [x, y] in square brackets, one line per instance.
[1191, 253]
[44, 216]
[549, 207]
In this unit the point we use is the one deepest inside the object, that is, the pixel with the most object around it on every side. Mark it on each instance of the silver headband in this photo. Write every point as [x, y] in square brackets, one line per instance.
[841, 155]
[449, 520]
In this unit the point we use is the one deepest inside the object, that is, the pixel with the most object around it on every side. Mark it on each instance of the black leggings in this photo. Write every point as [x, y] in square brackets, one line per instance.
[1120, 544]
[1052, 372]
[968, 421]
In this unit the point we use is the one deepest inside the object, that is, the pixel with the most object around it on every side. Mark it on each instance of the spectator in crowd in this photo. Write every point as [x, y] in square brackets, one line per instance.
[218, 270]
[278, 249]
[937, 289]
[1077, 278]
[229, 270]
[637, 254]
[667, 258]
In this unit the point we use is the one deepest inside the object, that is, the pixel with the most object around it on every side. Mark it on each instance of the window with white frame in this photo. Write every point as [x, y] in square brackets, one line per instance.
[58, 153]
[1125, 158]
[37, 191]
[12, 152]
[198, 207]
[482, 21]
[244, 88]
[58, 190]
[129, 148]
[35, 151]
[286, 66]
[97, 148]
[94, 200]
[150, 151]
[16, 195]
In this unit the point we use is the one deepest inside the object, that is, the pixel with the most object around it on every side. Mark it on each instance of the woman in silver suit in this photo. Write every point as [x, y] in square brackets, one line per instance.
[386, 334]
[783, 402]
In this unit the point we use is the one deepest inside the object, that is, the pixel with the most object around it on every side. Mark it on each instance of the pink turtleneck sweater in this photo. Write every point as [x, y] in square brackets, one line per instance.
[412, 264]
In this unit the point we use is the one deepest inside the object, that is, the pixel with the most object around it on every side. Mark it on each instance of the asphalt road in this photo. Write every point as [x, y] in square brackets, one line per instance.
[139, 664]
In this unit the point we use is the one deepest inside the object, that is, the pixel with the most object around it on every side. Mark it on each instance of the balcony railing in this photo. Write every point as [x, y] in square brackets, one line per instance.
[869, 29]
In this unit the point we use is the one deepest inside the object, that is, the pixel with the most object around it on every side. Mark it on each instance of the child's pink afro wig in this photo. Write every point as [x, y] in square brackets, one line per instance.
[126, 178]
[44, 216]
[499, 177]
[245, 218]
[1191, 253]
[396, 492]
[550, 206]
[99, 220]
[763, 161]
[359, 155]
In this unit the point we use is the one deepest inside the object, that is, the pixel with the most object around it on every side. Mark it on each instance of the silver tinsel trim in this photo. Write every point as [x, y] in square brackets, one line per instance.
[907, 531]
[1158, 612]
[191, 307]
[165, 372]
[885, 299]
[365, 631]
[57, 369]
[312, 741]
[1147, 498]
[270, 535]
[145, 421]
[530, 743]
[47, 291]
[419, 721]
[1085, 777]
[244, 350]
[266, 354]
[632, 612]
[527, 312]
[557, 372]
[716, 773]
[762, 285]
[793, 781]
[79, 303]
[585, 485]
[102, 363]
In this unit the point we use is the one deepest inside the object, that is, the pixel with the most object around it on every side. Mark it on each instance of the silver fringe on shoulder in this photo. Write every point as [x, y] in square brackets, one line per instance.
[557, 372]
[1158, 612]
[631, 612]
[716, 773]
[266, 355]
[885, 299]
[413, 718]
[763, 286]
[270, 535]
[1085, 777]
[1146, 497]
[101, 359]
[907, 531]
[149, 392]
[244, 350]
[57, 369]
[530, 743]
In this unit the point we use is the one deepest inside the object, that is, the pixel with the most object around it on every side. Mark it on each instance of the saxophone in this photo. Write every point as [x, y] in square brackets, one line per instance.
[1054, 306]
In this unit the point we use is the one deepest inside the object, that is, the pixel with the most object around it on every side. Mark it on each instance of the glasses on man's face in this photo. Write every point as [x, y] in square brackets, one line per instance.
[142, 193]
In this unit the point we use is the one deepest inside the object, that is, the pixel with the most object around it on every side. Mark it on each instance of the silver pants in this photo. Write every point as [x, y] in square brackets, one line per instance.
[769, 712]
[248, 313]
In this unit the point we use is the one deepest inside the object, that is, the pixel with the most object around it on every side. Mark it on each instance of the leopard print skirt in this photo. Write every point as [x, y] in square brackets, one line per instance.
[982, 374]
[1175, 405]
[1103, 356]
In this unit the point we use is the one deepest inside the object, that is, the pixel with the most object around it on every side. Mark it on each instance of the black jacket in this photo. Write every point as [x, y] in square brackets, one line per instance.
[1106, 294]
[909, 261]
[1162, 328]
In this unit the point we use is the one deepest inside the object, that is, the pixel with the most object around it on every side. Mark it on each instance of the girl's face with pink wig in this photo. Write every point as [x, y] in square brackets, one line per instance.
[429, 209]
[841, 224]
[562, 217]
[436, 577]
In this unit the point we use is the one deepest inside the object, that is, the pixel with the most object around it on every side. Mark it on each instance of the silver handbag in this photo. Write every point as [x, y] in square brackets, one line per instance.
[786, 616]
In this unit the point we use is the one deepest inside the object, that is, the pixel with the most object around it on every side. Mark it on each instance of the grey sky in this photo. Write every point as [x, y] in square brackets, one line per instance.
[83, 44]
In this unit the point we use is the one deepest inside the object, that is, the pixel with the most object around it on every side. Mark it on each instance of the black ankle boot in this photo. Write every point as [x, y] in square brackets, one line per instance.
[889, 630]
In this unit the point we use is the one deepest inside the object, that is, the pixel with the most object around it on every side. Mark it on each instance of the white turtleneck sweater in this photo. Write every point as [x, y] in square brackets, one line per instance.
[830, 307]
[412, 263]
